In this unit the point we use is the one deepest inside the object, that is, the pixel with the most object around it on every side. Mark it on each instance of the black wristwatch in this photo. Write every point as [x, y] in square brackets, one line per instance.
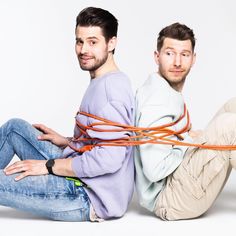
[49, 164]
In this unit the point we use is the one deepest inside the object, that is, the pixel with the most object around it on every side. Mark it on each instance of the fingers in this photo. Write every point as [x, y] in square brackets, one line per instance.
[15, 167]
[26, 168]
[19, 166]
[47, 132]
[42, 128]
[22, 175]
[44, 137]
[38, 126]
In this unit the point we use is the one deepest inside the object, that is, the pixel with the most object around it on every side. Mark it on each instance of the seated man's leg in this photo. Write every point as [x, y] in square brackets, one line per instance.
[48, 196]
[194, 186]
[19, 137]
[229, 107]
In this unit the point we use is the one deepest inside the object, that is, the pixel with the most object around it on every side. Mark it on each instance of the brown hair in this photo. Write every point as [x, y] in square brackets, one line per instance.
[93, 16]
[176, 31]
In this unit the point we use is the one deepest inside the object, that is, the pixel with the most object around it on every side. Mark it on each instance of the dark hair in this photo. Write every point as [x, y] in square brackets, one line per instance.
[92, 16]
[176, 31]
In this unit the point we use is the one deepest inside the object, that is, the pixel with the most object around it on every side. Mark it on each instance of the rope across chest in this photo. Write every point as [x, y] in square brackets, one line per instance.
[134, 136]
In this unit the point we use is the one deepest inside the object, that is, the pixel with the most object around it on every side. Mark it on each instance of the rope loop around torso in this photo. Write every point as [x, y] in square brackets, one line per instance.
[136, 135]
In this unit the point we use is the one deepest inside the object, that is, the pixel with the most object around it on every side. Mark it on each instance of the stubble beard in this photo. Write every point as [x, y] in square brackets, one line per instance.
[97, 64]
[174, 82]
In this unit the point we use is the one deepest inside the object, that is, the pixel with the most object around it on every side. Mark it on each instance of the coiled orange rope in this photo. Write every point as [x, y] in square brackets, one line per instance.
[137, 135]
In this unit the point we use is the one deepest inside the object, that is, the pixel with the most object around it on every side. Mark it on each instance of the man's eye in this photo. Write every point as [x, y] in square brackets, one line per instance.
[93, 42]
[169, 53]
[79, 42]
[185, 54]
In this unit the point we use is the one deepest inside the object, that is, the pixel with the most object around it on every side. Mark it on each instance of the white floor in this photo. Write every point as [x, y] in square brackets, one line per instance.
[220, 219]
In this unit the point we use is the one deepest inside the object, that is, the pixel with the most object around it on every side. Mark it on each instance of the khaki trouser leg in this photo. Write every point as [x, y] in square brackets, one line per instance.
[196, 183]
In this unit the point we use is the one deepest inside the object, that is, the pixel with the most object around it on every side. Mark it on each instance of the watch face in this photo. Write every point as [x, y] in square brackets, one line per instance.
[50, 163]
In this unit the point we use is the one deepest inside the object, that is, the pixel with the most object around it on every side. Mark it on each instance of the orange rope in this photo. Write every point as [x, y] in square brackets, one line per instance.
[151, 135]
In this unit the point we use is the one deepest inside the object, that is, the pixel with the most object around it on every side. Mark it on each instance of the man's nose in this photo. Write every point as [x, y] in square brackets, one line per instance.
[84, 48]
[177, 61]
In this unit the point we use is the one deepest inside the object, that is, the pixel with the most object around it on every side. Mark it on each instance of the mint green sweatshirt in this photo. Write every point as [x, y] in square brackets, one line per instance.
[157, 103]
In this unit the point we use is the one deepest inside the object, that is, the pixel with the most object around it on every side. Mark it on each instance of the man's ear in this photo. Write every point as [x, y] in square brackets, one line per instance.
[112, 44]
[156, 57]
[194, 59]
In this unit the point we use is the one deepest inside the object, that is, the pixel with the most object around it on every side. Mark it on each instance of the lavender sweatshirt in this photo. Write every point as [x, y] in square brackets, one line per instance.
[108, 171]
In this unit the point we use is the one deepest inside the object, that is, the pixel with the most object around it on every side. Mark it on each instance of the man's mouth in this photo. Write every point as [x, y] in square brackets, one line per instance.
[177, 71]
[85, 58]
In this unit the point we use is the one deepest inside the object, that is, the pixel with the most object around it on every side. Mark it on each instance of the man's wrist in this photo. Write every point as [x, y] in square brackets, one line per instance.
[49, 165]
[69, 139]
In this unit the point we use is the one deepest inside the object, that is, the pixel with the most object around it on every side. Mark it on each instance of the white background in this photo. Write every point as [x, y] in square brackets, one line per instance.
[41, 82]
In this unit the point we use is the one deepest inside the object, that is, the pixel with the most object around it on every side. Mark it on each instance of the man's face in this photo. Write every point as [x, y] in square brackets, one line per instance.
[91, 48]
[175, 60]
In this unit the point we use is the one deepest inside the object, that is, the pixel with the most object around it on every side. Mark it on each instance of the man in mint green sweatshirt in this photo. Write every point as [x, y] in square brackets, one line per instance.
[176, 182]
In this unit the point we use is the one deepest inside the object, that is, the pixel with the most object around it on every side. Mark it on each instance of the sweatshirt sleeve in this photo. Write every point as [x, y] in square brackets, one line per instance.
[105, 159]
[158, 160]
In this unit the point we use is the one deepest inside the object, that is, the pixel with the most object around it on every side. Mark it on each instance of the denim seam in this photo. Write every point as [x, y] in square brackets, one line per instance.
[28, 141]
[49, 195]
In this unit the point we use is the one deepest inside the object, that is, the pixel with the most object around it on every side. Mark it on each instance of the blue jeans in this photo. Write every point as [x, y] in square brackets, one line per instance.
[48, 196]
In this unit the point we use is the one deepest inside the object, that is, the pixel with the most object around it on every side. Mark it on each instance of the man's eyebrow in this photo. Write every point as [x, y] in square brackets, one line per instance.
[169, 48]
[92, 37]
[184, 50]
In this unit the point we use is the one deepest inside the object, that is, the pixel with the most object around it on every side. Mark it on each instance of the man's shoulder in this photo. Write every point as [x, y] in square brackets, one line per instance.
[154, 89]
[117, 77]
[118, 83]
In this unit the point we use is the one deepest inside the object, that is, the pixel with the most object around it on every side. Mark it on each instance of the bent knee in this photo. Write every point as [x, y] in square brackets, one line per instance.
[225, 124]
[230, 105]
[17, 123]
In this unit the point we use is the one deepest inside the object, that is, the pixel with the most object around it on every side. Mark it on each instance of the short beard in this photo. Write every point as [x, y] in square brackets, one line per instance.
[174, 84]
[98, 64]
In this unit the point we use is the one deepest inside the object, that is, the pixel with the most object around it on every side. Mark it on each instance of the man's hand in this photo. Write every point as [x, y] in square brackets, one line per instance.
[26, 168]
[51, 135]
[62, 167]
[195, 133]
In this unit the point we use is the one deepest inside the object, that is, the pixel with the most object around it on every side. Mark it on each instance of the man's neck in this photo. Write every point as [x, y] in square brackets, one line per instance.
[108, 66]
[176, 86]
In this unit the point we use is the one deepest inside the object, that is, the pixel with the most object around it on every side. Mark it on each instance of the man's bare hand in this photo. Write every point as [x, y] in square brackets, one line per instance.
[195, 133]
[51, 135]
[27, 168]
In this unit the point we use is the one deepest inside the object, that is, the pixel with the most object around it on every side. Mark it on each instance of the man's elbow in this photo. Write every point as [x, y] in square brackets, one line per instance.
[153, 175]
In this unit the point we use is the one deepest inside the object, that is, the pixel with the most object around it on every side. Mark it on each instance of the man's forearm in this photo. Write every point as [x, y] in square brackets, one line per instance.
[63, 167]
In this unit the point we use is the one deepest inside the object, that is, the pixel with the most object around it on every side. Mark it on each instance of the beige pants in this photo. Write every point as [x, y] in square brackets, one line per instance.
[193, 187]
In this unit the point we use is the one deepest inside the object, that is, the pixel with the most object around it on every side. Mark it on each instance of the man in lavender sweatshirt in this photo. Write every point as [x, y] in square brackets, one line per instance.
[105, 175]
